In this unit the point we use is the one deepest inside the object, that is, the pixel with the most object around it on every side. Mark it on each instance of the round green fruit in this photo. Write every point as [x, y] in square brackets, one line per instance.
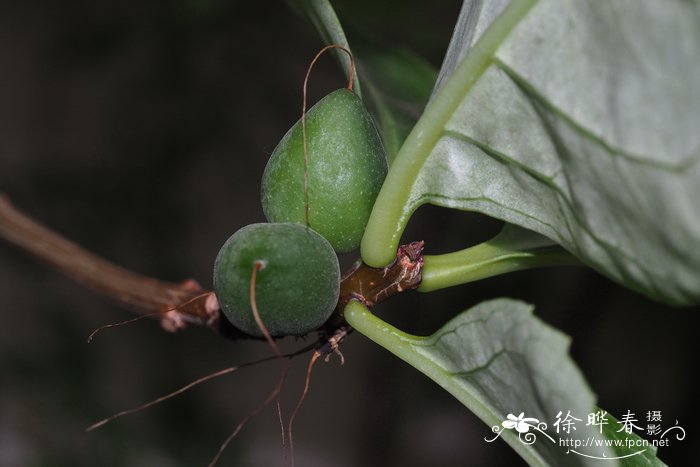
[346, 168]
[296, 290]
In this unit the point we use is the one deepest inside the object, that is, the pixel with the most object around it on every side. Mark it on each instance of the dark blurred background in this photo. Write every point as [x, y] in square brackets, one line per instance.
[140, 130]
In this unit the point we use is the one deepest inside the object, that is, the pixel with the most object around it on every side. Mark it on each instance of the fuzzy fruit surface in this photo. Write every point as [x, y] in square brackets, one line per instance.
[296, 290]
[346, 168]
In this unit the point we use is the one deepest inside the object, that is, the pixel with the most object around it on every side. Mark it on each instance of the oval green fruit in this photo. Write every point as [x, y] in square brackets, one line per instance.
[295, 292]
[346, 168]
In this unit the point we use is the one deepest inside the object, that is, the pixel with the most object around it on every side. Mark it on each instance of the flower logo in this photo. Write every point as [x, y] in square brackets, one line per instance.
[521, 423]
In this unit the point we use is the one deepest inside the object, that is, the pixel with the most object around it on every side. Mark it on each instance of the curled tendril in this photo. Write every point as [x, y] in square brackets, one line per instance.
[679, 436]
[496, 429]
[528, 438]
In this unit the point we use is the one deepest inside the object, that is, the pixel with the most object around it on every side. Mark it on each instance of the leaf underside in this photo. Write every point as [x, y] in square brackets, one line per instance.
[580, 122]
[497, 359]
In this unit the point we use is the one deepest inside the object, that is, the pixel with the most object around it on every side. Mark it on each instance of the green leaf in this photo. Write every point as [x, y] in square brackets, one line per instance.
[397, 86]
[473, 18]
[397, 83]
[321, 15]
[574, 119]
[498, 359]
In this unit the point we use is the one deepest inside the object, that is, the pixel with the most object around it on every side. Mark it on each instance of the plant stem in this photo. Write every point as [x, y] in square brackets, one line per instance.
[484, 260]
[513, 249]
[396, 202]
[180, 304]
[370, 285]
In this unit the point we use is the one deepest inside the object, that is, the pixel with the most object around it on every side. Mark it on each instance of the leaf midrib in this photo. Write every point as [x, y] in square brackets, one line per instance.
[390, 208]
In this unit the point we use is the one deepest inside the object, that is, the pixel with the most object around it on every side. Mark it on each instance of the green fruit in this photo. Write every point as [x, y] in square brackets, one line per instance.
[295, 292]
[346, 168]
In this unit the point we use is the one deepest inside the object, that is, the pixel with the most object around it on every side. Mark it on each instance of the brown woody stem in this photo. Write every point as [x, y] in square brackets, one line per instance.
[179, 304]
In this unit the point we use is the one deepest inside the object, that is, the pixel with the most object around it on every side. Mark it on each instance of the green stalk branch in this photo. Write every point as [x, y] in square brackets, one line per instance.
[486, 260]
[394, 205]
[513, 249]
